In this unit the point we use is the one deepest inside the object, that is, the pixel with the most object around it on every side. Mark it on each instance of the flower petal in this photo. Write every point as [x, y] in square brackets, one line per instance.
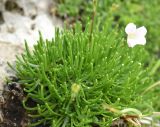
[136, 41]
[141, 31]
[130, 28]
[131, 42]
[141, 40]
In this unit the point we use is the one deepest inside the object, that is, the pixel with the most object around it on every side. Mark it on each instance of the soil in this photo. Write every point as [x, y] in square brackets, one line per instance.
[13, 113]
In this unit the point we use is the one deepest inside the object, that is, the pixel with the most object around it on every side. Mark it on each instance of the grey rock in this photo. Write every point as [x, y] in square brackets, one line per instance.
[23, 19]
[7, 54]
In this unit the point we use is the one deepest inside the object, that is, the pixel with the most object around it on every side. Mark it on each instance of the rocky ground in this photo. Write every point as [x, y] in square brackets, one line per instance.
[8, 53]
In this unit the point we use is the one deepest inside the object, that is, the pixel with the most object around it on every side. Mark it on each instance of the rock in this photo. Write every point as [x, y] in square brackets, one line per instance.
[43, 24]
[7, 54]
[22, 20]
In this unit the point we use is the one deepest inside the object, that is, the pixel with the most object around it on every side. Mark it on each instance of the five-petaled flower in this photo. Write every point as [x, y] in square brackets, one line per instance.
[136, 36]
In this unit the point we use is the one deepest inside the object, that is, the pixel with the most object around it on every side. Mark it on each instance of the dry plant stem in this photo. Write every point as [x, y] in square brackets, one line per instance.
[156, 113]
[1, 117]
[134, 120]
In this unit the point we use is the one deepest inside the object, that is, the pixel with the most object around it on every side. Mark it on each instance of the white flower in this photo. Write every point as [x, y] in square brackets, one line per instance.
[136, 36]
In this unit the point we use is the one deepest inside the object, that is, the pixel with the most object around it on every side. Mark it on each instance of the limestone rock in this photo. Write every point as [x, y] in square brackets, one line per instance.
[23, 19]
[7, 54]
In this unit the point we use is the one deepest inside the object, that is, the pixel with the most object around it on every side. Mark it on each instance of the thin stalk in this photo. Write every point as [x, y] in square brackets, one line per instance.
[151, 87]
[93, 18]
[155, 68]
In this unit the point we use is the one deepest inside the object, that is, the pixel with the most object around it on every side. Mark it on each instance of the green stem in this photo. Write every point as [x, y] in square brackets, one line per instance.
[133, 110]
[151, 87]
[154, 69]
[93, 18]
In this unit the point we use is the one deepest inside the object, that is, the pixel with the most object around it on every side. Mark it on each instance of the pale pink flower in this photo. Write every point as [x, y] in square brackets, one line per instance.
[136, 36]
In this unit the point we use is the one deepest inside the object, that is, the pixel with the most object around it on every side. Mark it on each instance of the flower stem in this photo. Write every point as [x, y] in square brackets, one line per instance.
[151, 87]
[92, 20]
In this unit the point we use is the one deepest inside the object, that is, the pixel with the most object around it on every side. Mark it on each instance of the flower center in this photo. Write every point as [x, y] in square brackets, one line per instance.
[132, 35]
